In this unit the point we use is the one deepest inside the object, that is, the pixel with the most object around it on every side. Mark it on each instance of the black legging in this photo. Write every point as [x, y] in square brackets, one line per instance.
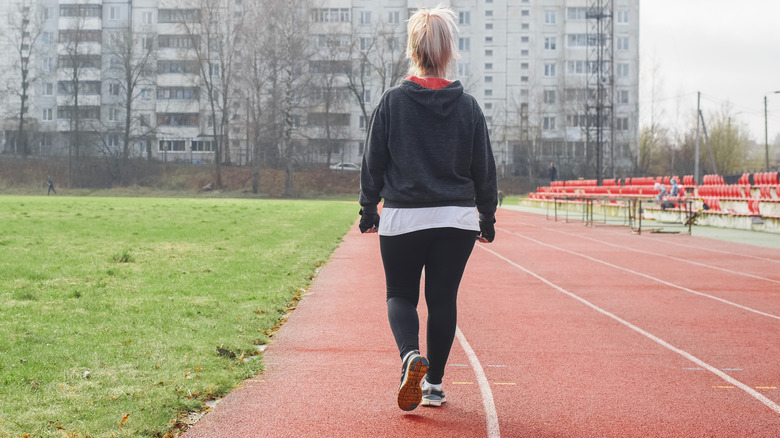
[444, 253]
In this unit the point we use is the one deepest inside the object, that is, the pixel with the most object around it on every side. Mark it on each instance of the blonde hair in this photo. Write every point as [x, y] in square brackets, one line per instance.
[431, 44]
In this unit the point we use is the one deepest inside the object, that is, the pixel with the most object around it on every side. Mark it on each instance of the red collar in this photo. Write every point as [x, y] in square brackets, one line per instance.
[433, 83]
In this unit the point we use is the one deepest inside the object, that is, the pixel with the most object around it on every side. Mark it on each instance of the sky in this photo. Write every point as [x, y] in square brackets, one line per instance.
[728, 50]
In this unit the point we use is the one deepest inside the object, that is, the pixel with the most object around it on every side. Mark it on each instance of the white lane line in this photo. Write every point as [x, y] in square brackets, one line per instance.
[744, 274]
[649, 277]
[491, 416]
[752, 392]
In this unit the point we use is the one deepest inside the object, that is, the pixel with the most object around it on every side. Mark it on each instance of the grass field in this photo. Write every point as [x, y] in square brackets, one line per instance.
[119, 315]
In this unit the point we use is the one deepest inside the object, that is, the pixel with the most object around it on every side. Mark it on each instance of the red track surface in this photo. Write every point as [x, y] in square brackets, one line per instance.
[580, 332]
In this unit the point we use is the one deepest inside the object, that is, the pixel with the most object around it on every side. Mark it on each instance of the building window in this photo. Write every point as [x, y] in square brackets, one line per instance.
[394, 17]
[489, 13]
[146, 94]
[331, 15]
[113, 140]
[178, 93]
[488, 39]
[172, 146]
[48, 89]
[549, 43]
[488, 106]
[362, 122]
[576, 13]
[365, 43]
[576, 121]
[113, 114]
[524, 66]
[488, 79]
[549, 17]
[113, 89]
[463, 69]
[179, 16]
[177, 42]
[524, 79]
[622, 96]
[365, 17]
[525, 13]
[622, 16]
[48, 114]
[488, 26]
[178, 119]
[48, 13]
[366, 95]
[621, 123]
[202, 146]
[525, 26]
[114, 13]
[464, 18]
[525, 39]
[146, 120]
[147, 18]
[549, 96]
[488, 93]
[548, 123]
[489, 52]
[622, 70]
[464, 44]
[622, 43]
[549, 69]
[575, 67]
[489, 66]
[524, 52]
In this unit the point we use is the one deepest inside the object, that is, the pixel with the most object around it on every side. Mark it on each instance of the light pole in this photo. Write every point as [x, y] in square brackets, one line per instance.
[766, 130]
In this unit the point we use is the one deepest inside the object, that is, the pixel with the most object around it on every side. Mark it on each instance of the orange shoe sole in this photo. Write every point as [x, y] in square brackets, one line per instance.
[410, 392]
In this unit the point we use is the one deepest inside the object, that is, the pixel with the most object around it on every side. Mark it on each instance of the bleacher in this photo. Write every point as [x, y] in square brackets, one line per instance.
[752, 203]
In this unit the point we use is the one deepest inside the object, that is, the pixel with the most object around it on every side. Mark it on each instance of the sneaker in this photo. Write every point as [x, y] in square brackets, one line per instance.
[412, 373]
[432, 397]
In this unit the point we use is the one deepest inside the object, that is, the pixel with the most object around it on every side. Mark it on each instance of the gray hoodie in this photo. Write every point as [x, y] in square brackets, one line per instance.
[428, 148]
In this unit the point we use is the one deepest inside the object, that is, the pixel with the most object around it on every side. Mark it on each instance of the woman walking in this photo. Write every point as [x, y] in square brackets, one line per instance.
[428, 156]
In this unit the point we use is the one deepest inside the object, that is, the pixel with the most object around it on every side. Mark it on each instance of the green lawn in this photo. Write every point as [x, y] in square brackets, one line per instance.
[118, 315]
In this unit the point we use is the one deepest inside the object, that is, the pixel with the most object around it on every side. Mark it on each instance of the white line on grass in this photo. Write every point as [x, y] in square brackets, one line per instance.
[666, 256]
[649, 277]
[752, 392]
[484, 387]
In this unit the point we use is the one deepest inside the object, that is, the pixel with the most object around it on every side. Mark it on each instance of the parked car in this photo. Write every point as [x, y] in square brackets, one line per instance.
[347, 167]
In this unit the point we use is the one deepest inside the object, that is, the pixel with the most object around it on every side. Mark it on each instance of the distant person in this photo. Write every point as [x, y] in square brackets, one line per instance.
[553, 172]
[500, 198]
[51, 187]
[428, 155]
[662, 192]
[675, 191]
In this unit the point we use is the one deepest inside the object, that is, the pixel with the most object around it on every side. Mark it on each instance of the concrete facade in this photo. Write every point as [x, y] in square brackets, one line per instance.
[524, 60]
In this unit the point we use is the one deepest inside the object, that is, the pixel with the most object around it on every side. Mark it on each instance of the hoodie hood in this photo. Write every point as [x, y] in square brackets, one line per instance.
[440, 101]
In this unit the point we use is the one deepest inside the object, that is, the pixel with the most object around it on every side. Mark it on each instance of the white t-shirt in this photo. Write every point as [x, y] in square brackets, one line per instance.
[397, 221]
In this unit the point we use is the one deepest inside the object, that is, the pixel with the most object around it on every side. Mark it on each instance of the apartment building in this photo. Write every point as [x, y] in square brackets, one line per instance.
[528, 63]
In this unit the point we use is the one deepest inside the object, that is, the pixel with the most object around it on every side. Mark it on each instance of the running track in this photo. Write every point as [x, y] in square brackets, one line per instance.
[564, 331]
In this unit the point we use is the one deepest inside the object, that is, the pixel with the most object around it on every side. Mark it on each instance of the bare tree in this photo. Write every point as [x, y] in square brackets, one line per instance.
[24, 38]
[288, 53]
[329, 116]
[255, 75]
[75, 60]
[378, 57]
[217, 41]
[130, 69]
